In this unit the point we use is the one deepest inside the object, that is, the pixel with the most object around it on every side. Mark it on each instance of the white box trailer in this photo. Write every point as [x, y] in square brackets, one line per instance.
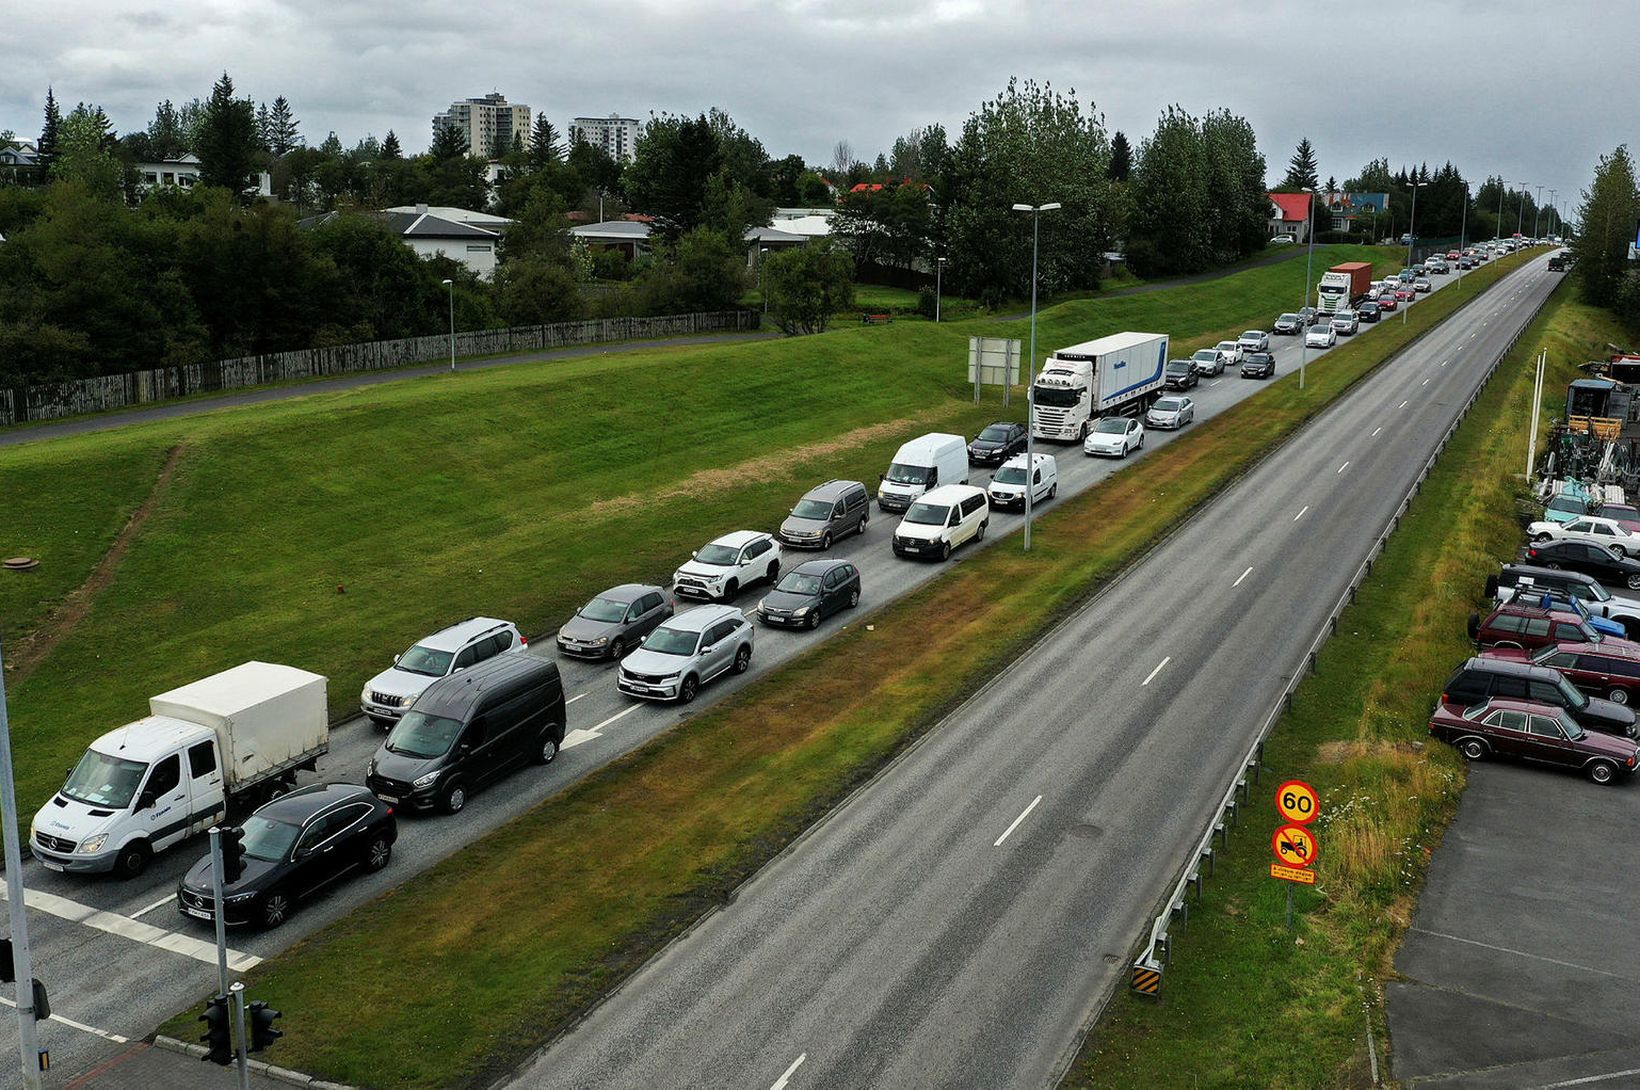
[1115, 374]
[268, 719]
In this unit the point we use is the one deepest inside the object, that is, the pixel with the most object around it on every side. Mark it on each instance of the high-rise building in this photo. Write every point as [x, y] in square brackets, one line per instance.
[489, 124]
[615, 134]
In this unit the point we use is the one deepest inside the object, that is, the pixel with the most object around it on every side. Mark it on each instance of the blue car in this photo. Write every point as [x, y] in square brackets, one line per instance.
[1550, 600]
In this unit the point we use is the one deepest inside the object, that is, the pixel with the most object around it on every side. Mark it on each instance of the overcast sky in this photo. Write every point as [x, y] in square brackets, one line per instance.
[1530, 90]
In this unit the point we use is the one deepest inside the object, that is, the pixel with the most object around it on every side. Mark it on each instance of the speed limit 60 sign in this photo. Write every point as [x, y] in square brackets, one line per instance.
[1297, 802]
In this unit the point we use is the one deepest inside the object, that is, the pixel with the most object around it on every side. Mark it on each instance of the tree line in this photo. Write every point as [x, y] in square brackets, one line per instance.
[1608, 227]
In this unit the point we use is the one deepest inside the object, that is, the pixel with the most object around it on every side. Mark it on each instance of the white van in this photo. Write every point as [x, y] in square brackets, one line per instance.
[1007, 489]
[923, 464]
[941, 520]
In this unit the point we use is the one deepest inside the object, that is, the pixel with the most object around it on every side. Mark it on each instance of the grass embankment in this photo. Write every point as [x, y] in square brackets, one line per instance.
[329, 531]
[1246, 1002]
[637, 851]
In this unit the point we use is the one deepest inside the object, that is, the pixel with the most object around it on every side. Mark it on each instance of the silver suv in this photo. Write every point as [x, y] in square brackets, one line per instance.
[390, 693]
[687, 652]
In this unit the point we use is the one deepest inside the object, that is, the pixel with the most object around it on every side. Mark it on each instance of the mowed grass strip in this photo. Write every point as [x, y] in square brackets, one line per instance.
[1242, 989]
[330, 531]
[458, 974]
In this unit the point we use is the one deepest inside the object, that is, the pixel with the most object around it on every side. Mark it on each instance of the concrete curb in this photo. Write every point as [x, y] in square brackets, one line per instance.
[283, 1074]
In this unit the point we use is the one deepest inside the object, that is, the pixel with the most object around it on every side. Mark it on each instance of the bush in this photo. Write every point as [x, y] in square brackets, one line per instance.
[926, 302]
[611, 265]
[809, 284]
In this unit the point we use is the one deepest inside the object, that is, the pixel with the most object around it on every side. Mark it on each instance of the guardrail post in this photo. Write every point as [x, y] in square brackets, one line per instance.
[1352, 594]
[1334, 623]
[1208, 855]
[1312, 662]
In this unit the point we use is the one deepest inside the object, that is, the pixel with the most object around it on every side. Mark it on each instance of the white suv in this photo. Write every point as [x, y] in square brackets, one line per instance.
[686, 652]
[719, 570]
[941, 520]
[390, 693]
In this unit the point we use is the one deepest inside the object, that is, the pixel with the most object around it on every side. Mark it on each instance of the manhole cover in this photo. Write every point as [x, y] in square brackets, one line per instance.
[21, 563]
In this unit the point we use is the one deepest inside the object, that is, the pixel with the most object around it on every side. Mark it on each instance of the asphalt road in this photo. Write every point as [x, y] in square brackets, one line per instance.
[959, 921]
[119, 958]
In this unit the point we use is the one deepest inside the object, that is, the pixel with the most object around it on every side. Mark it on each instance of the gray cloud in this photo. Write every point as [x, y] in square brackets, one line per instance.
[1501, 86]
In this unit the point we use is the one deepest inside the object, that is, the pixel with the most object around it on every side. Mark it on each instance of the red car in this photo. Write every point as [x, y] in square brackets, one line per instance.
[1530, 731]
[1405, 295]
[1386, 301]
[1524, 626]
[1624, 514]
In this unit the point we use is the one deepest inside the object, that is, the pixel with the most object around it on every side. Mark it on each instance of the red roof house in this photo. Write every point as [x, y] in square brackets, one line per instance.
[1290, 215]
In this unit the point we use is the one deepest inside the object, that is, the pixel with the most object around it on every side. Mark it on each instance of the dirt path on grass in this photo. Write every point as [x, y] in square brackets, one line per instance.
[33, 649]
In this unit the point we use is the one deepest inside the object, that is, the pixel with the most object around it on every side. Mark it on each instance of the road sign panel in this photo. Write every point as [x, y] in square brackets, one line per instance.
[1146, 981]
[1297, 801]
[1294, 846]
[1293, 874]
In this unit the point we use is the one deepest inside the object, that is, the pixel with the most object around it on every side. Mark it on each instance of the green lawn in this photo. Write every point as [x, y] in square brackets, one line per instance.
[640, 848]
[1241, 988]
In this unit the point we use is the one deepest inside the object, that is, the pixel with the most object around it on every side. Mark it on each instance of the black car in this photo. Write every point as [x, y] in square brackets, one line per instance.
[1258, 365]
[997, 443]
[1181, 375]
[294, 847]
[1369, 312]
[810, 593]
[1480, 679]
[1586, 557]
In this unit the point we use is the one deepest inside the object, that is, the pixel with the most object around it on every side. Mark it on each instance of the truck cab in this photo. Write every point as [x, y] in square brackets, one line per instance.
[136, 791]
[1061, 400]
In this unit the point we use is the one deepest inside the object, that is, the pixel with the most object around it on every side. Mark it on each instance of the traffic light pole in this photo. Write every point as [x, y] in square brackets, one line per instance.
[22, 962]
[244, 1042]
[221, 928]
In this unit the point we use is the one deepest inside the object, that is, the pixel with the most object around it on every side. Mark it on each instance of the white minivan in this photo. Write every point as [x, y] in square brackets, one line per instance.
[922, 465]
[1007, 489]
[942, 520]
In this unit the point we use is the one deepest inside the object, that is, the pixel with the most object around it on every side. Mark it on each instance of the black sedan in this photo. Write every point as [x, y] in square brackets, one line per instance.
[1258, 365]
[811, 592]
[997, 443]
[1369, 312]
[294, 847]
[1588, 558]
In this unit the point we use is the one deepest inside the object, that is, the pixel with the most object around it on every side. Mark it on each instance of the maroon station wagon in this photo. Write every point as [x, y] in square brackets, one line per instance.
[1610, 669]
[1518, 624]
[1527, 731]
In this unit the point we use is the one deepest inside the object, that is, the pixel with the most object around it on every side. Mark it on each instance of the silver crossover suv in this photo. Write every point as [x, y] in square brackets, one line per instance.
[686, 652]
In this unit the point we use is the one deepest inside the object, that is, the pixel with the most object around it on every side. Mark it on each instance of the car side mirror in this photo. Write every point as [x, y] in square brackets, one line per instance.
[396, 659]
[145, 801]
[708, 649]
[882, 476]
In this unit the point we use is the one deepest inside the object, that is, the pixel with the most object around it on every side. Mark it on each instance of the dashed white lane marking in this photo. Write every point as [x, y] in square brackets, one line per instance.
[1445, 362]
[579, 736]
[1403, 404]
[71, 1024]
[127, 928]
[1152, 675]
[617, 715]
[1022, 816]
[1587, 1079]
[1375, 432]
[1424, 383]
[161, 903]
[1215, 382]
[576, 697]
[1240, 577]
[1301, 511]
[1341, 468]
[780, 1083]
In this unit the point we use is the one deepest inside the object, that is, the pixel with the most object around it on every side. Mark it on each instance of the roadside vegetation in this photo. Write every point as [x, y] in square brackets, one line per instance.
[1242, 988]
[639, 849]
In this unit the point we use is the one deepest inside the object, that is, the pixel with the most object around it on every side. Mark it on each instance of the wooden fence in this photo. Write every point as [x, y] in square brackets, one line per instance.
[88, 395]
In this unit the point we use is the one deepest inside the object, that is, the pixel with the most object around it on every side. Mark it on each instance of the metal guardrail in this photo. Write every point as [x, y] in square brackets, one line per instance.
[1150, 967]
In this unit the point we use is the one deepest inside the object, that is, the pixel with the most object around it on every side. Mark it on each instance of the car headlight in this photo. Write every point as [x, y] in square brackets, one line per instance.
[427, 780]
[762, 605]
[600, 641]
[802, 611]
[93, 844]
[407, 700]
[370, 769]
[239, 898]
[364, 695]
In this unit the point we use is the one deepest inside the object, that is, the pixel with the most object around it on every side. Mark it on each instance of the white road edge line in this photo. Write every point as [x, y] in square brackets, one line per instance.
[1301, 511]
[135, 930]
[576, 697]
[71, 1024]
[1023, 814]
[1587, 1079]
[1341, 468]
[1375, 432]
[1215, 382]
[617, 715]
[161, 903]
[1152, 675]
[780, 1083]
[1240, 577]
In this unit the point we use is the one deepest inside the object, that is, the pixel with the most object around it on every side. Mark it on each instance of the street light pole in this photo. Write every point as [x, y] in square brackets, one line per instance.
[1412, 237]
[1309, 275]
[1502, 185]
[761, 290]
[1537, 211]
[22, 962]
[939, 269]
[1520, 216]
[1463, 231]
[1036, 211]
[451, 284]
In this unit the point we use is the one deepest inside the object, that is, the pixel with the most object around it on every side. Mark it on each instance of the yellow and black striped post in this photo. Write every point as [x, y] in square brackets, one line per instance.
[1147, 980]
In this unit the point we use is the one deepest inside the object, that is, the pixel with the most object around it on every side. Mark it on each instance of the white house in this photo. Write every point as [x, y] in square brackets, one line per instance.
[183, 171]
[428, 235]
[631, 237]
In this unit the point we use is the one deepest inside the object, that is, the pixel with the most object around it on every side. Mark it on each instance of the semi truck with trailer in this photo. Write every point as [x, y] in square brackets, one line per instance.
[1342, 286]
[1119, 374]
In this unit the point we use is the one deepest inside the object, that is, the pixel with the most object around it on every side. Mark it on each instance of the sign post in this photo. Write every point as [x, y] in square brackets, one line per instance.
[1294, 845]
[993, 360]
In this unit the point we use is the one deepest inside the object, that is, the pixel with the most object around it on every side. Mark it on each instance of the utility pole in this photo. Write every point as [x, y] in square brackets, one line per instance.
[1036, 211]
[16, 907]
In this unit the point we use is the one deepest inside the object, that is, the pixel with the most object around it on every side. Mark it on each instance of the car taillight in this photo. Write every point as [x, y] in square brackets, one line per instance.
[523, 641]
[1532, 553]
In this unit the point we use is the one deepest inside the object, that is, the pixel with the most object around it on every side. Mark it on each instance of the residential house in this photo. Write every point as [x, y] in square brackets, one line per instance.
[429, 235]
[1290, 215]
[183, 172]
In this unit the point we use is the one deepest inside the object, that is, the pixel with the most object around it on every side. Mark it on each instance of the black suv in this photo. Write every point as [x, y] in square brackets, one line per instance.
[1585, 557]
[295, 846]
[826, 512]
[996, 443]
[1480, 679]
[1181, 375]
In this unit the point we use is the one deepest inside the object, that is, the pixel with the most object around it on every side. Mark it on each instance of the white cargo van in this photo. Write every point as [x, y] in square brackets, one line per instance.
[923, 464]
[150, 784]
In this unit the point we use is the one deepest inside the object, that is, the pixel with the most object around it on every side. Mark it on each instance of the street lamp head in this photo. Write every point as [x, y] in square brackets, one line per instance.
[449, 283]
[1024, 208]
[1048, 207]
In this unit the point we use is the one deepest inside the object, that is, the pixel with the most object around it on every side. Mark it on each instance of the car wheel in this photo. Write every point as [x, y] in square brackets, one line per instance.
[730, 589]
[275, 909]
[132, 860]
[979, 535]
[773, 573]
[864, 518]
[1473, 748]
[813, 620]
[1602, 772]
[687, 691]
[1082, 435]
[1633, 581]
[1618, 695]
[454, 798]
[1053, 490]
[547, 751]
[1539, 539]
[825, 541]
[1141, 445]
[945, 550]
[1620, 551]
[617, 650]
[854, 597]
[377, 854]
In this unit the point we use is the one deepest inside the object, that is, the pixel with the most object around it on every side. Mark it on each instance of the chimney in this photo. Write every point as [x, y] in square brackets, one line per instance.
[422, 209]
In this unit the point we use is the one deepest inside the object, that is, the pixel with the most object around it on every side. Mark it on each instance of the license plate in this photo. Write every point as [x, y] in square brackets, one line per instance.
[197, 913]
[49, 865]
[389, 799]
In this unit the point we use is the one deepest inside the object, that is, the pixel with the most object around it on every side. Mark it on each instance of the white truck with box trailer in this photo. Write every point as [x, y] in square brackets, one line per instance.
[237, 736]
[1121, 373]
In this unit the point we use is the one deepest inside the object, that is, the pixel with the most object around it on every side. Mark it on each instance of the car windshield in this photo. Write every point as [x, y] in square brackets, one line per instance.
[928, 514]
[1570, 726]
[671, 641]
[812, 509]
[418, 734]
[267, 839]
[1205, 355]
[1056, 397]
[1227, 346]
[1253, 335]
[1327, 290]
[1175, 367]
[604, 609]
[1288, 318]
[1567, 503]
[101, 780]
[425, 661]
[900, 473]
[1111, 425]
[1169, 405]
[1016, 474]
[718, 554]
[996, 433]
[1597, 592]
[797, 582]
[1569, 693]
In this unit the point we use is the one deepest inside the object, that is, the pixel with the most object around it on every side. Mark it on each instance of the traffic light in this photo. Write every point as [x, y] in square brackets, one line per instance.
[262, 1032]
[218, 1038]
[233, 854]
